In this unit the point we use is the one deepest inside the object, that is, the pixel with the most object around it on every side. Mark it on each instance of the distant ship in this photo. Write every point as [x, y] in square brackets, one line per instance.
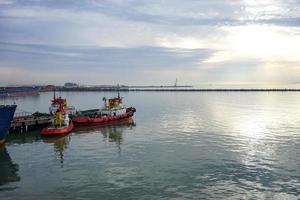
[6, 117]
[19, 91]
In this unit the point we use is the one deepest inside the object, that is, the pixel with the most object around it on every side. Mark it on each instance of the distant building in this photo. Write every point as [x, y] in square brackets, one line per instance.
[71, 85]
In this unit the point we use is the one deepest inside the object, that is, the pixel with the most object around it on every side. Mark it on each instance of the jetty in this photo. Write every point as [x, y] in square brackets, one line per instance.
[72, 87]
[171, 89]
[211, 90]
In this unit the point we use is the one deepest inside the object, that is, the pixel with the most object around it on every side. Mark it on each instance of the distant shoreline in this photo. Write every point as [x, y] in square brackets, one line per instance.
[172, 90]
[157, 89]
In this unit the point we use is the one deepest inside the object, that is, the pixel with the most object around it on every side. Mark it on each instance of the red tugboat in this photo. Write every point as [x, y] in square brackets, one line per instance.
[61, 123]
[112, 112]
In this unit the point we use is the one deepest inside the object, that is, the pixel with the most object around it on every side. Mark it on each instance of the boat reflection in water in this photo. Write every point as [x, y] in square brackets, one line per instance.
[111, 133]
[114, 133]
[61, 143]
[28, 137]
[8, 170]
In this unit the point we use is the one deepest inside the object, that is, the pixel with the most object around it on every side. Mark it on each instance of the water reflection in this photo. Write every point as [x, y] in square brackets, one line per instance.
[22, 138]
[61, 143]
[111, 133]
[199, 146]
[114, 133]
[8, 169]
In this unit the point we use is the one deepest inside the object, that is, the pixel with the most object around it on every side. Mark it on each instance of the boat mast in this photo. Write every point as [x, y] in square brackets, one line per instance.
[54, 97]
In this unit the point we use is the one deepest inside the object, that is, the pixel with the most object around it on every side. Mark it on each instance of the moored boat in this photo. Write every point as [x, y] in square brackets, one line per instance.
[6, 116]
[58, 130]
[61, 123]
[112, 112]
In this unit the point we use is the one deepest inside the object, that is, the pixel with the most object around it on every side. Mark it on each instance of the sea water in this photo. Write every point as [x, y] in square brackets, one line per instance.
[180, 145]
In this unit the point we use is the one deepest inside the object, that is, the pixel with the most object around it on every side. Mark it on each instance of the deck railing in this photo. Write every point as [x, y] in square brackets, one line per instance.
[22, 114]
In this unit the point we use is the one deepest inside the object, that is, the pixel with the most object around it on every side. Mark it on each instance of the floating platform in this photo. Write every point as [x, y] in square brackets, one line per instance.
[24, 122]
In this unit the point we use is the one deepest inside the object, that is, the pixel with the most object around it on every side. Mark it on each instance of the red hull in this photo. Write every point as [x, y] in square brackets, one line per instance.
[19, 94]
[101, 121]
[65, 130]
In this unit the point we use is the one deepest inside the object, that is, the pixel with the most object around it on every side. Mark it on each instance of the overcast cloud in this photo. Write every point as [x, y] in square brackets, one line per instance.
[149, 42]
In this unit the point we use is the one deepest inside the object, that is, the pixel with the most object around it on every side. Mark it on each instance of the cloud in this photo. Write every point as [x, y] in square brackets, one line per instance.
[170, 12]
[199, 40]
[113, 57]
[111, 62]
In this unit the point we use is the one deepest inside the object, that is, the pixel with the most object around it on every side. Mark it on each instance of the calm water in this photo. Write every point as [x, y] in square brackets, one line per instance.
[180, 146]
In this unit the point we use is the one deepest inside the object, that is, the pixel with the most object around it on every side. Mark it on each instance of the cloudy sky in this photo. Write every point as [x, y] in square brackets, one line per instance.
[149, 41]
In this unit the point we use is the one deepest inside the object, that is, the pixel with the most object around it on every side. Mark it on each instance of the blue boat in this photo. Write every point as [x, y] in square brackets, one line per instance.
[6, 116]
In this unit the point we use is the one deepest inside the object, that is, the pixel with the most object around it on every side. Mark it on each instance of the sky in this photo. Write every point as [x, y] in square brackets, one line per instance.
[149, 42]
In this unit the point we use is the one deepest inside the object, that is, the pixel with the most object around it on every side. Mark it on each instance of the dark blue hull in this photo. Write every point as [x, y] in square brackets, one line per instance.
[6, 116]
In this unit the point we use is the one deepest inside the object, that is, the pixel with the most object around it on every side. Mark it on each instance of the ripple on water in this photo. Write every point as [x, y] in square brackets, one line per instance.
[199, 146]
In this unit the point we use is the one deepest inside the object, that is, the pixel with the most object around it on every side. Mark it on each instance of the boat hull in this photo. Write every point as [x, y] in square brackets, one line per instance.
[101, 121]
[6, 117]
[57, 131]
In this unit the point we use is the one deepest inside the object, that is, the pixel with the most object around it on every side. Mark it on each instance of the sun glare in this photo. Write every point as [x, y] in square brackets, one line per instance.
[259, 42]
